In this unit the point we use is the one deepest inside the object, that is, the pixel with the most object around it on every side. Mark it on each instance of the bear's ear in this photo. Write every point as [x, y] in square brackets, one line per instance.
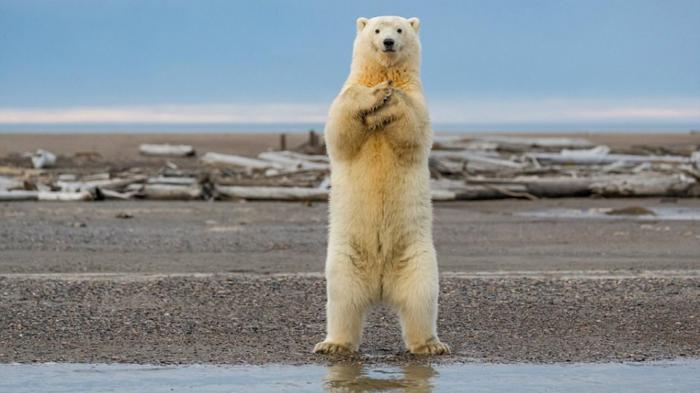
[415, 23]
[361, 23]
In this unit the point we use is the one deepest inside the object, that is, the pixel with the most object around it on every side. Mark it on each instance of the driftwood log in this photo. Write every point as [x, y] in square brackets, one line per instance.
[656, 184]
[596, 158]
[646, 186]
[443, 195]
[96, 176]
[520, 144]
[296, 162]
[508, 143]
[239, 161]
[166, 150]
[438, 166]
[65, 196]
[462, 143]
[307, 157]
[110, 194]
[463, 191]
[479, 159]
[18, 195]
[107, 184]
[10, 183]
[177, 181]
[166, 191]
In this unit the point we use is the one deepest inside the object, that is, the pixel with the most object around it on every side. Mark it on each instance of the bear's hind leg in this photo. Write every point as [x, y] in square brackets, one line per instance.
[413, 292]
[345, 313]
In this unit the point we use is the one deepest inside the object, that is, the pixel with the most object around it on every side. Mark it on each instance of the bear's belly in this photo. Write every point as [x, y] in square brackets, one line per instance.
[380, 204]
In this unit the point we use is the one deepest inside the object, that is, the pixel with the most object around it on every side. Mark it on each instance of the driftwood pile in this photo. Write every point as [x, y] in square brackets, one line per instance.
[503, 167]
[462, 168]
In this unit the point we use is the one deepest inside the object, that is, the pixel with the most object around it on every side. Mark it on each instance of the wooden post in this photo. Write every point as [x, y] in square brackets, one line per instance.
[313, 138]
[283, 142]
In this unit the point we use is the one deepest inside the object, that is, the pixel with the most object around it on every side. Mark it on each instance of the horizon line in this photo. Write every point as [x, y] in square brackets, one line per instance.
[463, 111]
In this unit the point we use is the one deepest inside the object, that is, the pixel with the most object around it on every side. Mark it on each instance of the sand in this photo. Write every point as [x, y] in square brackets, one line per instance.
[193, 282]
[273, 237]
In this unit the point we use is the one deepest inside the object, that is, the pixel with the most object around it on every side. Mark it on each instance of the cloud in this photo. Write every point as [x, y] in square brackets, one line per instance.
[168, 114]
[559, 110]
[464, 110]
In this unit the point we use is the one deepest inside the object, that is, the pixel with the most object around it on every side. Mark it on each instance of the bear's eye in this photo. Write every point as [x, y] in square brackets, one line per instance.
[377, 31]
[399, 31]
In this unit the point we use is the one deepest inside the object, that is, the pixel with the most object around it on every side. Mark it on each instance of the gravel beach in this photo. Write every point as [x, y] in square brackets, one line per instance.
[258, 319]
[197, 282]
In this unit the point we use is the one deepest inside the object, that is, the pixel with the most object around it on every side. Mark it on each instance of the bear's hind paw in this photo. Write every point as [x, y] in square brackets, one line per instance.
[325, 347]
[432, 347]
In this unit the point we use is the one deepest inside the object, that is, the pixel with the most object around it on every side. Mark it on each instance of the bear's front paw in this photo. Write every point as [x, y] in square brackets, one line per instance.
[430, 347]
[380, 94]
[380, 119]
[325, 347]
[383, 90]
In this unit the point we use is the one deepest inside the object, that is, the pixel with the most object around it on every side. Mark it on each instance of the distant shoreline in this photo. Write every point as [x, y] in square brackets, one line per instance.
[276, 128]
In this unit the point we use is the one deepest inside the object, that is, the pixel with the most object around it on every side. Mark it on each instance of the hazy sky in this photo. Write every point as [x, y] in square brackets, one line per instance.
[260, 61]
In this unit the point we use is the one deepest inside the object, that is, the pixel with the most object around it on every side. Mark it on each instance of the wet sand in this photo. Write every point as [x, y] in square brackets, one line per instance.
[79, 284]
[205, 237]
[271, 237]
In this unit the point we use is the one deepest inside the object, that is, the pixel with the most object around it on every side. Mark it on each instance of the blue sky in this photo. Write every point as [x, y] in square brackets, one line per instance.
[484, 62]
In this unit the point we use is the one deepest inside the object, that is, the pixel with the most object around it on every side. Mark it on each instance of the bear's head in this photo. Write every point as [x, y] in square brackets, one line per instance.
[387, 40]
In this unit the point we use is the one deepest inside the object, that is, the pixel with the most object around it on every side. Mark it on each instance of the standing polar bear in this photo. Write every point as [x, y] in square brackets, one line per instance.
[380, 246]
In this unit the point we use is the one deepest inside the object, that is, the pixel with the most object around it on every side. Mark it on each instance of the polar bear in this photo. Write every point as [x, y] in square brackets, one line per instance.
[380, 246]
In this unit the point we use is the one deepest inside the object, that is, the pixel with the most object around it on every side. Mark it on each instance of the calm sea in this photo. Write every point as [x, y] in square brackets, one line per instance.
[85, 128]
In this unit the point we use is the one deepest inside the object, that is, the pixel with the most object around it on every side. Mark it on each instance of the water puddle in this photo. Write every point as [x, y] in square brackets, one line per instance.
[670, 376]
[630, 212]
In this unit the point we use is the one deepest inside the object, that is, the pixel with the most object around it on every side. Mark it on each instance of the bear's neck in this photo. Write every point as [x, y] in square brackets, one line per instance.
[369, 73]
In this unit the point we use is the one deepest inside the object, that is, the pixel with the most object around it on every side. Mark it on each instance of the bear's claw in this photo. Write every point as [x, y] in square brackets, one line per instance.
[325, 347]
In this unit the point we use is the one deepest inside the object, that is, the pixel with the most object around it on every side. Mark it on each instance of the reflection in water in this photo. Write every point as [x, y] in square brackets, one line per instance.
[355, 378]
[682, 376]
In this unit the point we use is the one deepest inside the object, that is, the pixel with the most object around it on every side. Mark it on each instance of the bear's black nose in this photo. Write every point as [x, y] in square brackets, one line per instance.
[388, 43]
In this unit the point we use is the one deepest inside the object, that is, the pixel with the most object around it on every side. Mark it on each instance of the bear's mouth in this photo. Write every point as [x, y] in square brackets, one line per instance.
[389, 50]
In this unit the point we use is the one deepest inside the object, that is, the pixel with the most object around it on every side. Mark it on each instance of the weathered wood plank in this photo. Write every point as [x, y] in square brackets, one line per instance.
[166, 150]
[240, 161]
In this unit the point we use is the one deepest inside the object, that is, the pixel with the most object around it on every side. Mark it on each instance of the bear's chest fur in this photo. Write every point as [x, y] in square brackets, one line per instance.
[402, 78]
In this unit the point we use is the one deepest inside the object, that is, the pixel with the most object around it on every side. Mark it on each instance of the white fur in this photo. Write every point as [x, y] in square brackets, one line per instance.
[380, 246]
